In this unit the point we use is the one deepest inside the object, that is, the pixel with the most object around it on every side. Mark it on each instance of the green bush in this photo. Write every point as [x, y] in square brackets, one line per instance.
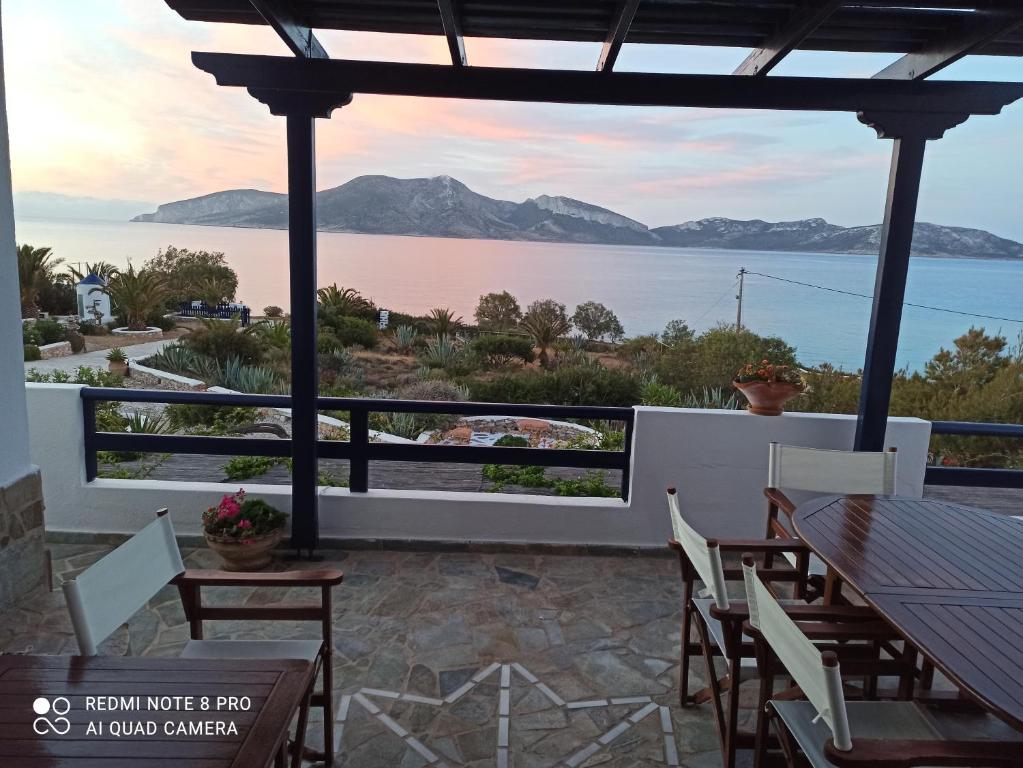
[512, 441]
[349, 331]
[499, 350]
[32, 353]
[216, 419]
[92, 329]
[573, 385]
[223, 340]
[50, 331]
[273, 311]
[712, 358]
[244, 467]
[29, 335]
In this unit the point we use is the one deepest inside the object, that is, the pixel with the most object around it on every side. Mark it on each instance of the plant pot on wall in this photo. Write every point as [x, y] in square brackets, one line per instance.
[767, 398]
[244, 532]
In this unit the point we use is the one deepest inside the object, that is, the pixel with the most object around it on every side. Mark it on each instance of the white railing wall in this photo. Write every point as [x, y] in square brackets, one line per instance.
[717, 460]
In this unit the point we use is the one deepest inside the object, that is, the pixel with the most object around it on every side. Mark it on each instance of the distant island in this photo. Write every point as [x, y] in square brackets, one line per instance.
[444, 207]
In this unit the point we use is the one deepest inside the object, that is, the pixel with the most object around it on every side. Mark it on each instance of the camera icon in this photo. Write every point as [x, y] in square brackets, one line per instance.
[59, 707]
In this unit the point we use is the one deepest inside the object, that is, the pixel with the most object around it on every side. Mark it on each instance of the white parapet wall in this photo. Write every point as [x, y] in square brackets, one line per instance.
[716, 459]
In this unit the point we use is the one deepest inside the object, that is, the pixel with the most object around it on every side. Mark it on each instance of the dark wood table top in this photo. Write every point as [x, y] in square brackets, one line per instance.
[948, 578]
[160, 732]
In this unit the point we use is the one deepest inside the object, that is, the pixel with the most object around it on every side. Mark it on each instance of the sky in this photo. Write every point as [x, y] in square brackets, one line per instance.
[104, 103]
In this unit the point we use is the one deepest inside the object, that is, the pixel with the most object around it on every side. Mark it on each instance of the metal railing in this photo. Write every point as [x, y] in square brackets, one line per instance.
[358, 449]
[975, 476]
[218, 311]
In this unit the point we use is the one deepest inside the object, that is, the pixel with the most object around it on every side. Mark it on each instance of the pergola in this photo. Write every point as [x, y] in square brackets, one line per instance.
[897, 102]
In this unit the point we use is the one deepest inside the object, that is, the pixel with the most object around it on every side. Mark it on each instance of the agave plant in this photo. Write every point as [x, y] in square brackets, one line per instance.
[35, 271]
[174, 358]
[444, 321]
[234, 374]
[343, 301]
[711, 397]
[144, 423]
[135, 293]
[273, 333]
[405, 338]
[402, 425]
[440, 352]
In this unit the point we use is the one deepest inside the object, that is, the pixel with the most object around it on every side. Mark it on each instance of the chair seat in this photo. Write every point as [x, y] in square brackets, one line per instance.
[887, 720]
[306, 650]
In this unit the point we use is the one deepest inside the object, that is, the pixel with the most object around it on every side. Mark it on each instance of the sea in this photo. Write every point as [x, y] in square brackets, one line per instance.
[818, 302]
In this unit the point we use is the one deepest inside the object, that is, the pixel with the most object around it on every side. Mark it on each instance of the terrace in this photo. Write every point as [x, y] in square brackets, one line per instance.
[453, 596]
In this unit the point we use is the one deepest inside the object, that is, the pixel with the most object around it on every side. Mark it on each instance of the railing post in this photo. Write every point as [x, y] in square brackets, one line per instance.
[627, 451]
[358, 463]
[89, 438]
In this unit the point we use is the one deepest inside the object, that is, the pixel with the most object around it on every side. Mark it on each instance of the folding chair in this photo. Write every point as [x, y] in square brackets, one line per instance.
[827, 731]
[822, 471]
[111, 591]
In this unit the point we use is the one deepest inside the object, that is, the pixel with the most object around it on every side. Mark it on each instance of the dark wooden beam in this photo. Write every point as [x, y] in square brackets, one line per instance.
[280, 15]
[616, 35]
[889, 292]
[340, 76]
[453, 32]
[951, 47]
[800, 25]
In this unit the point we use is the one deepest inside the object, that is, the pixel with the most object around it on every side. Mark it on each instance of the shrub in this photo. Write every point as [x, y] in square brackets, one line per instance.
[77, 341]
[212, 418]
[244, 467]
[501, 350]
[405, 338]
[436, 389]
[350, 331]
[591, 484]
[173, 358]
[29, 335]
[498, 312]
[32, 353]
[50, 331]
[193, 275]
[223, 340]
[273, 311]
[116, 355]
[573, 385]
[597, 321]
[440, 352]
[511, 441]
[661, 395]
[93, 329]
[712, 358]
[546, 322]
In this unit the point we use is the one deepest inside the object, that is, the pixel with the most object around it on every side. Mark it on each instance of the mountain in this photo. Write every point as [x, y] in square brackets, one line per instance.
[444, 207]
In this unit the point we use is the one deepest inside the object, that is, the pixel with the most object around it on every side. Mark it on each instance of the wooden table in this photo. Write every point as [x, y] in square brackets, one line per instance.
[948, 578]
[275, 689]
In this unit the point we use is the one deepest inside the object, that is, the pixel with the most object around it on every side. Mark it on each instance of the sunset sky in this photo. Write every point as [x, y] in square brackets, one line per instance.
[103, 102]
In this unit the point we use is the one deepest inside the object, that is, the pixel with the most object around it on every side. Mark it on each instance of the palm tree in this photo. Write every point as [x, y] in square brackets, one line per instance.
[101, 269]
[343, 301]
[135, 294]
[546, 322]
[35, 272]
[444, 321]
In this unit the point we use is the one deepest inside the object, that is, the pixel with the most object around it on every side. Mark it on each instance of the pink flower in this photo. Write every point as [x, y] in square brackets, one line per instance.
[244, 524]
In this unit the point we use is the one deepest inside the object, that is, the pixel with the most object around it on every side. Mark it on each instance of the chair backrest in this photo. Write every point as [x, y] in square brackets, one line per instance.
[111, 591]
[702, 553]
[815, 673]
[826, 471]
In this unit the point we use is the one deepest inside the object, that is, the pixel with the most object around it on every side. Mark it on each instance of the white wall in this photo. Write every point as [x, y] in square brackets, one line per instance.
[14, 460]
[717, 459]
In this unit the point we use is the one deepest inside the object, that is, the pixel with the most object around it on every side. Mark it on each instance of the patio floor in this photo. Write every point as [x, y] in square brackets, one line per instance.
[460, 659]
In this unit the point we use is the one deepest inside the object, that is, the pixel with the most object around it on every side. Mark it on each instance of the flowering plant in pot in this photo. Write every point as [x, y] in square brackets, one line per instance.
[244, 532]
[767, 386]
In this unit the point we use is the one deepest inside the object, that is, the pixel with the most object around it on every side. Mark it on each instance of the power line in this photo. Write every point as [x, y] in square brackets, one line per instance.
[868, 296]
[731, 289]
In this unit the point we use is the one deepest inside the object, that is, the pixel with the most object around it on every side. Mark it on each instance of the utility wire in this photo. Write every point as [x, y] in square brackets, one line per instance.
[719, 299]
[868, 296]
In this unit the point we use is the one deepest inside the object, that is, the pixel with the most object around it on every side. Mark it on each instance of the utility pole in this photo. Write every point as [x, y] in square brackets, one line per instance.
[738, 296]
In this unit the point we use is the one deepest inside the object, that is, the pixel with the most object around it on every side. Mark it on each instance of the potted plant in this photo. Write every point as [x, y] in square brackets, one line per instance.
[244, 532]
[767, 386]
[117, 361]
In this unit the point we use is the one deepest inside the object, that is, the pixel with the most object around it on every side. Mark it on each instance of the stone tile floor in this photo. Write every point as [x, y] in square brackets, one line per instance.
[459, 659]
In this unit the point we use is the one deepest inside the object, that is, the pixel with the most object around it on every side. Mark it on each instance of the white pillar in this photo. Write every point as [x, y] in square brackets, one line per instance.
[14, 455]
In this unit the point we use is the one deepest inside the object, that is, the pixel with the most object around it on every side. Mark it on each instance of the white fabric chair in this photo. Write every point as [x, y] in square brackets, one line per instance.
[827, 729]
[819, 470]
[111, 591]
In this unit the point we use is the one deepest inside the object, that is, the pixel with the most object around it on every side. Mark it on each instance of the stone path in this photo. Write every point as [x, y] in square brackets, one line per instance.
[460, 659]
[96, 359]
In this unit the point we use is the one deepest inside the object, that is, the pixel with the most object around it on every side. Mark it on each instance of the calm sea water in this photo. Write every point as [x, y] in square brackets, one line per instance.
[646, 287]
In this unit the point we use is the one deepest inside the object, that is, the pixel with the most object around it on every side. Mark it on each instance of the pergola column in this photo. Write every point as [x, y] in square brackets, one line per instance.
[910, 132]
[301, 110]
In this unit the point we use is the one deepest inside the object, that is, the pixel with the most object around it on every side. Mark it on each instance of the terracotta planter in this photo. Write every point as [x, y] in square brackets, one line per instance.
[767, 398]
[252, 555]
[121, 368]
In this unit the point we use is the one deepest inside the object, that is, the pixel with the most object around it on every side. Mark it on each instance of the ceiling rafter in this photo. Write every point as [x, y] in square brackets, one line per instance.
[453, 32]
[280, 15]
[616, 34]
[800, 25]
[951, 46]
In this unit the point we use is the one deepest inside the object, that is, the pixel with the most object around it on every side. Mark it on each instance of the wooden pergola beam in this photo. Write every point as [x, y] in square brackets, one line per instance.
[800, 25]
[616, 35]
[951, 47]
[342, 76]
[453, 32]
[299, 38]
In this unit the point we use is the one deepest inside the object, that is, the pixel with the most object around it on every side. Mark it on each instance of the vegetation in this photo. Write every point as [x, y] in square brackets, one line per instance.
[498, 312]
[36, 271]
[192, 275]
[499, 350]
[241, 518]
[546, 322]
[590, 484]
[273, 311]
[597, 322]
[133, 293]
[444, 321]
[32, 353]
[346, 302]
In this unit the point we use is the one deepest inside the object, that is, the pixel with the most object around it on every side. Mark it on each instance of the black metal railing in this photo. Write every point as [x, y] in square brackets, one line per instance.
[358, 449]
[975, 476]
[216, 311]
